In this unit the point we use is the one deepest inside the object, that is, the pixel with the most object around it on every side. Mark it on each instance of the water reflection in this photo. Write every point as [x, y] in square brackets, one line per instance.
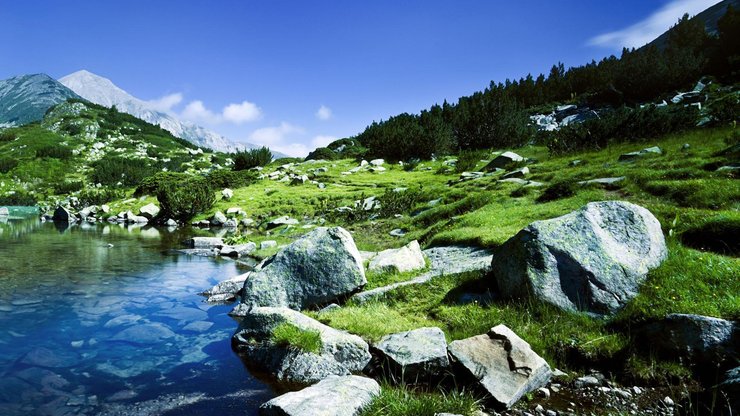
[98, 317]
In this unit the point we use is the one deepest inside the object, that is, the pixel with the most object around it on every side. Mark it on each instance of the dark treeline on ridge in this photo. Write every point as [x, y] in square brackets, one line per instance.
[499, 116]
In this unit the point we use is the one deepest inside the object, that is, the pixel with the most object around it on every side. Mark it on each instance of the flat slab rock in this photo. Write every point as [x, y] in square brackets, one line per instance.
[333, 396]
[399, 260]
[503, 364]
[701, 339]
[419, 353]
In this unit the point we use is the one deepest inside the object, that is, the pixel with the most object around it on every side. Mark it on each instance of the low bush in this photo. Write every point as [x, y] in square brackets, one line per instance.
[111, 170]
[411, 164]
[467, 160]
[223, 178]
[252, 158]
[55, 152]
[65, 188]
[289, 335]
[322, 153]
[7, 136]
[19, 198]
[7, 164]
[99, 196]
[183, 199]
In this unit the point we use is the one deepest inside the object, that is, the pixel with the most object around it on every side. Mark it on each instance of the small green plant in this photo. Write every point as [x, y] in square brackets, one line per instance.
[7, 136]
[404, 400]
[223, 178]
[55, 152]
[467, 160]
[289, 335]
[322, 153]
[183, 199]
[7, 164]
[252, 158]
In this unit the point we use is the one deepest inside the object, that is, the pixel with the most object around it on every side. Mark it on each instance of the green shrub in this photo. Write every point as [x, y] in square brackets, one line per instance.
[223, 178]
[252, 158]
[55, 152]
[19, 198]
[72, 129]
[64, 188]
[322, 153]
[7, 164]
[289, 335]
[558, 190]
[183, 199]
[99, 196]
[411, 164]
[111, 170]
[7, 136]
[160, 180]
[467, 160]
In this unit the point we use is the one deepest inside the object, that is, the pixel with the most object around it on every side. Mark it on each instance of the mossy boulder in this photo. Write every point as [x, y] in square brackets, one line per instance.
[593, 259]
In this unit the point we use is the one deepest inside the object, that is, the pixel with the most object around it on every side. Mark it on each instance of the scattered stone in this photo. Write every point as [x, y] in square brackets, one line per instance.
[701, 339]
[340, 353]
[231, 223]
[504, 364]
[668, 401]
[504, 161]
[227, 290]
[234, 211]
[467, 176]
[218, 219]
[149, 211]
[518, 173]
[171, 223]
[397, 233]
[399, 260]
[603, 181]
[334, 396]
[377, 162]
[417, 354]
[655, 150]
[318, 268]
[268, 244]
[587, 381]
[593, 259]
[284, 220]
[227, 194]
[206, 242]
[543, 392]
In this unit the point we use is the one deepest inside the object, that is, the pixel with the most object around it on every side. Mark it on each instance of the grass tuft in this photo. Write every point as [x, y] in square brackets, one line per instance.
[289, 335]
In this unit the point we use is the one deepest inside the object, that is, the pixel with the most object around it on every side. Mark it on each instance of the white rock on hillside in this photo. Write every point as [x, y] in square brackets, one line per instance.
[399, 260]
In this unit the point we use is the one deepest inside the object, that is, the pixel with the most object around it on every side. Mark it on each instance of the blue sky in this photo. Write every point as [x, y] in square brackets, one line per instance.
[296, 74]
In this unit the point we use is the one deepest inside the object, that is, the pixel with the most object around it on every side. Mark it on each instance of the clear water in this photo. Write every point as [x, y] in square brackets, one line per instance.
[88, 328]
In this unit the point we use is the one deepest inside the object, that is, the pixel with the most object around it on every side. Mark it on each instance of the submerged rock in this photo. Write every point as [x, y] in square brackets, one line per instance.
[502, 363]
[62, 214]
[340, 353]
[399, 260]
[205, 242]
[334, 396]
[593, 259]
[317, 269]
[417, 354]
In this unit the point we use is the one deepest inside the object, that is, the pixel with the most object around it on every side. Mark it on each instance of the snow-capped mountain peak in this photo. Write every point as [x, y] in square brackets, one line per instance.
[103, 91]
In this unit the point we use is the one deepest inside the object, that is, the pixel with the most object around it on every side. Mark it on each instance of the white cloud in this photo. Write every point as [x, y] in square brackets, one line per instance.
[645, 31]
[166, 103]
[276, 135]
[322, 141]
[240, 113]
[292, 149]
[233, 113]
[323, 113]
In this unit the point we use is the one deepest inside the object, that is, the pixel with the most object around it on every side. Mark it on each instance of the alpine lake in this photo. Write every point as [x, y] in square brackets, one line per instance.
[106, 319]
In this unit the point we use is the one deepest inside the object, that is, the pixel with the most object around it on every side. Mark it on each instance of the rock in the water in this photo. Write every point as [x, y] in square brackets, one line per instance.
[228, 289]
[334, 396]
[340, 353]
[417, 354]
[317, 269]
[502, 363]
[62, 214]
[593, 259]
[701, 339]
[284, 220]
[149, 211]
[504, 161]
[144, 334]
[205, 242]
[399, 260]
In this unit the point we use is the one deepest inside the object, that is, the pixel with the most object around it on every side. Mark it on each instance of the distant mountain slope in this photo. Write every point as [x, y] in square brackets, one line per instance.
[709, 16]
[26, 98]
[103, 91]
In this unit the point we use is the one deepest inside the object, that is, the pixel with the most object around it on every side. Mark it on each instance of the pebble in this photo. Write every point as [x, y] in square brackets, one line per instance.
[668, 401]
[543, 392]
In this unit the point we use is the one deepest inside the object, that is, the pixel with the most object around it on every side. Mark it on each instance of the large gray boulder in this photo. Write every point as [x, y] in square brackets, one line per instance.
[317, 269]
[502, 363]
[149, 211]
[334, 396]
[417, 354]
[701, 339]
[399, 260]
[62, 214]
[504, 161]
[593, 259]
[340, 353]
